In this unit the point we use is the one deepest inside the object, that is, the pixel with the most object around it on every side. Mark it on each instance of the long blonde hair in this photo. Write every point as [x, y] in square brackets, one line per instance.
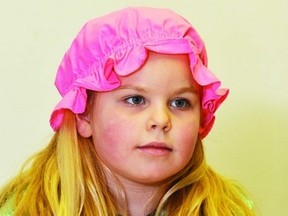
[66, 178]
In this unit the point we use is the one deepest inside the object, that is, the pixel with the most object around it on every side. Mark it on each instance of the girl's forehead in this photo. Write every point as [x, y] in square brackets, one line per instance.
[168, 70]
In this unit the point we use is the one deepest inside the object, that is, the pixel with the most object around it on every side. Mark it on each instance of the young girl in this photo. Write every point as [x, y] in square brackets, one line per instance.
[138, 99]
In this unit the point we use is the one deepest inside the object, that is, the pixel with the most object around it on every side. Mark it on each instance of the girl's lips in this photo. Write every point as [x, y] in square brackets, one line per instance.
[155, 148]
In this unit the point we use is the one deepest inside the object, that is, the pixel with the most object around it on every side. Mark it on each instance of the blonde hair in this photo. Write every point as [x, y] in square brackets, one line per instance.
[66, 178]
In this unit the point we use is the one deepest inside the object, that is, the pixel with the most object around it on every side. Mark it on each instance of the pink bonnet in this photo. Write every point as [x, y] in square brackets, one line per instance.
[117, 44]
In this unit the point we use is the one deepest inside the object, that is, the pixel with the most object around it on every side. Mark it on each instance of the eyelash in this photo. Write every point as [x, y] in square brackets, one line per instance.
[141, 101]
[186, 101]
[133, 102]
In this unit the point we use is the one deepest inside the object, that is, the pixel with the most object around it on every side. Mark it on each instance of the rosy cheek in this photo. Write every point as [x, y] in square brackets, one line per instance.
[115, 132]
[110, 133]
[188, 137]
[106, 143]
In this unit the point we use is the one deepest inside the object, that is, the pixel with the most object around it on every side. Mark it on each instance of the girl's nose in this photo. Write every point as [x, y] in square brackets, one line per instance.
[160, 119]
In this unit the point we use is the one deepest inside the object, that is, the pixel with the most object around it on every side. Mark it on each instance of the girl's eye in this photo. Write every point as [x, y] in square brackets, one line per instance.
[180, 103]
[135, 100]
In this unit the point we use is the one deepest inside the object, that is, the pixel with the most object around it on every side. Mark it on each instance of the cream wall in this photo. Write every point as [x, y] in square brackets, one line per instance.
[247, 45]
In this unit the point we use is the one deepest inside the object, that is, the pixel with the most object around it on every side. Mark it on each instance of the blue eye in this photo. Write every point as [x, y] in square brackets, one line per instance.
[180, 103]
[135, 100]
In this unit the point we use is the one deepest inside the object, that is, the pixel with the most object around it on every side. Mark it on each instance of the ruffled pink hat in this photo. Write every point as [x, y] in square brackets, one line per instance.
[117, 44]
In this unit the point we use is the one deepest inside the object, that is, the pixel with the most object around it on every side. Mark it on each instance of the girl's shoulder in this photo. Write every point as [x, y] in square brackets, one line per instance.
[8, 209]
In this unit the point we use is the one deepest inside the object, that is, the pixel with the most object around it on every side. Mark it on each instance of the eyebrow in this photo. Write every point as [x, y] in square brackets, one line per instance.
[188, 89]
[132, 87]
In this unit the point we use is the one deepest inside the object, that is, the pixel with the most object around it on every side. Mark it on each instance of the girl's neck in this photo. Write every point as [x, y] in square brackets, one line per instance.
[138, 199]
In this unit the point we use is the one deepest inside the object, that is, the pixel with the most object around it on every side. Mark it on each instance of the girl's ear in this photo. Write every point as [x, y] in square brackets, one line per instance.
[84, 127]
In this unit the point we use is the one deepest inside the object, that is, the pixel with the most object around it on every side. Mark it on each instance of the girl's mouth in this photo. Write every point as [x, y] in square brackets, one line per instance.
[155, 149]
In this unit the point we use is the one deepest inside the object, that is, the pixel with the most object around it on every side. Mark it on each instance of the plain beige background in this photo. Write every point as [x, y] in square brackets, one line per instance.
[247, 44]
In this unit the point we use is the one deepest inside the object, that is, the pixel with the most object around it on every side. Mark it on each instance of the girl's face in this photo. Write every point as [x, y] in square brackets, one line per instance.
[146, 130]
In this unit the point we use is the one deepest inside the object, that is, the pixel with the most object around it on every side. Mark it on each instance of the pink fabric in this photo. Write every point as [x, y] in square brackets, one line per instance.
[117, 44]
